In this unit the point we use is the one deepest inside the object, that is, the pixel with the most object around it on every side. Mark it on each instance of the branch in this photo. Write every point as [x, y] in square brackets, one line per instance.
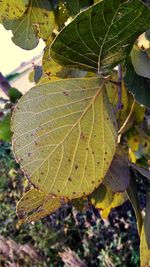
[4, 84]
[119, 83]
[122, 129]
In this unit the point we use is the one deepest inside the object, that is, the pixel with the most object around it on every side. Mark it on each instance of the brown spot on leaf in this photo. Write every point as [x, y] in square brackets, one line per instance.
[65, 93]
[82, 137]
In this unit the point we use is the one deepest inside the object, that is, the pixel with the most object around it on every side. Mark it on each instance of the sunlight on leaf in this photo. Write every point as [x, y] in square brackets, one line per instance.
[144, 251]
[35, 205]
[37, 22]
[65, 136]
[118, 200]
[141, 62]
[12, 9]
[102, 197]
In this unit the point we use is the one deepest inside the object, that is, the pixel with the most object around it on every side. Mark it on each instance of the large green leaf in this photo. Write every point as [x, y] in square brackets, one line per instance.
[10, 9]
[35, 204]
[139, 86]
[65, 135]
[38, 21]
[102, 35]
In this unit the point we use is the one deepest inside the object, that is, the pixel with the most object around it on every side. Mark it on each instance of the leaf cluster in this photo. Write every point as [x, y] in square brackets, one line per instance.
[78, 133]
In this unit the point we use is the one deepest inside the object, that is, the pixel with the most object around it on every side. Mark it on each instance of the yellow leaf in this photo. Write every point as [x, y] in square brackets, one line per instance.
[35, 204]
[102, 197]
[65, 136]
[144, 251]
[118, 200]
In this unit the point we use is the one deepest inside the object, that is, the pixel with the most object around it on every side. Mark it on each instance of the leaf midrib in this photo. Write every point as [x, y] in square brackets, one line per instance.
[74, 125]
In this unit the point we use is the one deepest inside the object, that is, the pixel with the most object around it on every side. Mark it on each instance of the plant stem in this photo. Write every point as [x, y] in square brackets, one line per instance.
[119, 83]
[123, 127]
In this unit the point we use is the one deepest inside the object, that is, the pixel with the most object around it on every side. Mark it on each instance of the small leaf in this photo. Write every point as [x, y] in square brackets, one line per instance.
[102, 197]
[144, 251]
[137, 85]
[141, 62]
[118, 200]
[112, 92]
[50, 68]
[37, 22]
[118, 175]
[14, 94]
[101, 36]
[12, 9]
[35, 205]
[65, 136]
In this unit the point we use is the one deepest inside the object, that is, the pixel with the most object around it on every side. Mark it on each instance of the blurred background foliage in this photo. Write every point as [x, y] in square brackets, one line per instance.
[98, 242]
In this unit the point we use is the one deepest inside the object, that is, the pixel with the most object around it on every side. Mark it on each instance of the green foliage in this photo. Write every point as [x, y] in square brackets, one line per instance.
[65, 129]
[101, 36]
[14, 94]
[5, 132]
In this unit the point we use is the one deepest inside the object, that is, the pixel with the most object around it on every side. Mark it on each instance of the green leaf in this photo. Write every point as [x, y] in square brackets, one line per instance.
[141, 62]
[37, 22]
[12, 9]
[35, 205]
[144, 251]
[14, 94]
[102, 197]
[65, 136]
[73, 7]
[118, 175]
[137, 85]
[101, 36]
[5, 132]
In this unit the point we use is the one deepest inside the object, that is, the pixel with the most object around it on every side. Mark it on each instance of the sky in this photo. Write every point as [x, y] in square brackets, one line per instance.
[11, 56]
